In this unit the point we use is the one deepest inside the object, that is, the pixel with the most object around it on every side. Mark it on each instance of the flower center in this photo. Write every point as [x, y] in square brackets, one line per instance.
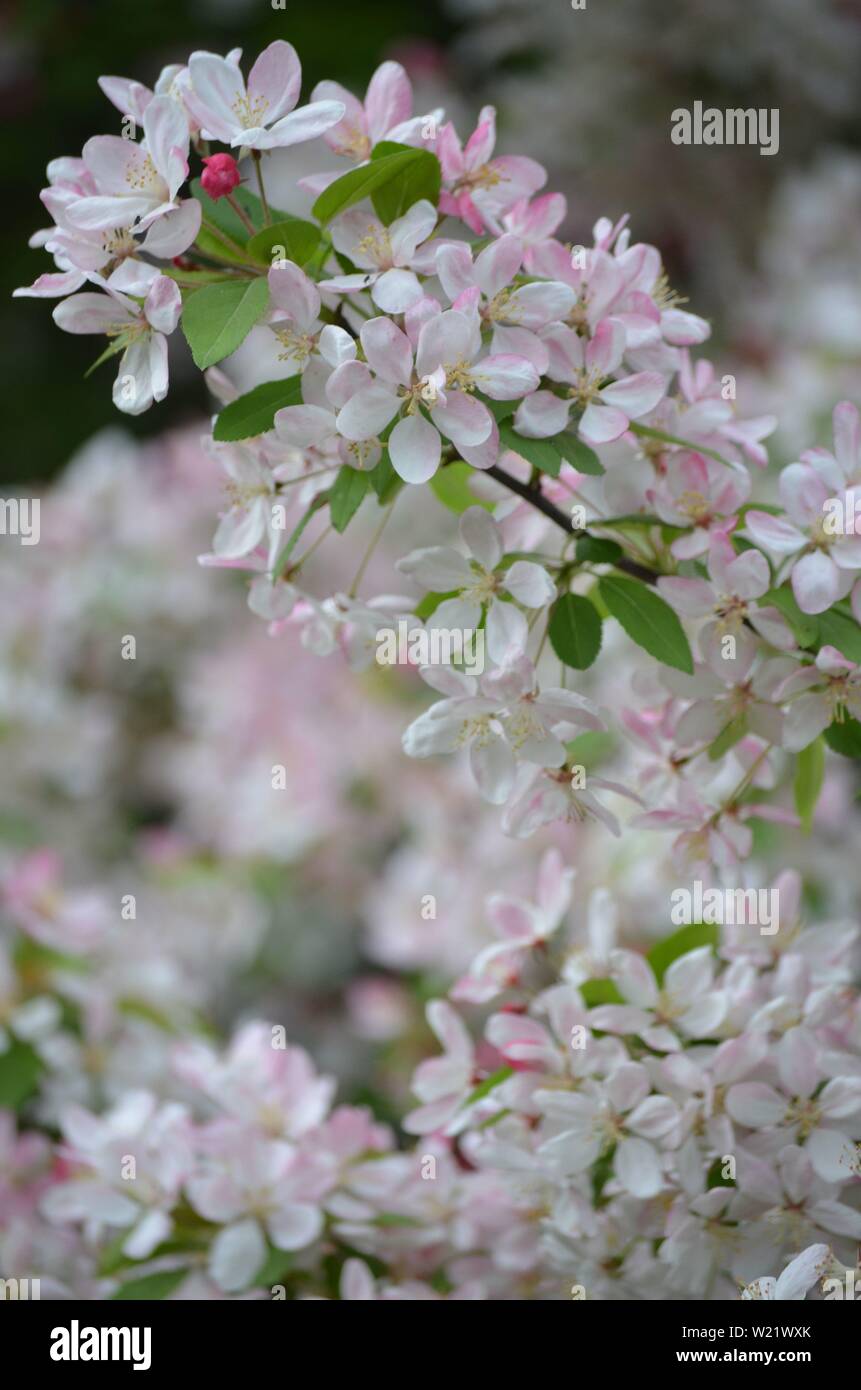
[140, 171]
[694, 505]
[458, 376]
[376, 245]
[298, 347]
[249, 111]
[485, 177]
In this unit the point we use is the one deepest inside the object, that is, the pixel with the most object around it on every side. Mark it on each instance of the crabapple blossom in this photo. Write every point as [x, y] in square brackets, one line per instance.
[607, 406]
[822, 564]
[513, 314]
[686, 1004]
[262, 113]
[819, 693]
[734, 580]
[140, 332]
[699, 493]
[385, 114]
[134, 184]
[477, 187]
[387, 255]
[794, 1282]
[520, 926]
[476, 583]
[439, 372]
[606, 546]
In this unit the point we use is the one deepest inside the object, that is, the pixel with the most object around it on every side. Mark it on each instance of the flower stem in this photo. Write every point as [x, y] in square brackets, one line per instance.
[375, 538]
[241, 214]
[267, 216]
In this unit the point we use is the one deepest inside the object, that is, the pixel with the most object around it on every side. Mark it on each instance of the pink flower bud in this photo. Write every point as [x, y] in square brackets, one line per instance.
[220, 176]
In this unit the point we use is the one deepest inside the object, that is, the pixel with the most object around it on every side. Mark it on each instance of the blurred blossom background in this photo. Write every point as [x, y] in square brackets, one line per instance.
[152, 777]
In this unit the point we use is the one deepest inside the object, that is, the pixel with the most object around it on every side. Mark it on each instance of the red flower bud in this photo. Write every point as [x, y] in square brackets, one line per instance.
[220, 175]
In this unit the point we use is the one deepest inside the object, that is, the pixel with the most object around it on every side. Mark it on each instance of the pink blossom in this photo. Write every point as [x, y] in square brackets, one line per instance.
[140, 333]
[476, 187]
[475, 582]
[818, 694]
[699, 493]
[134, 183]
[823, 563]
[442, 375]
[259, 115]
[385, 114]
[390, 255]
[607, 406]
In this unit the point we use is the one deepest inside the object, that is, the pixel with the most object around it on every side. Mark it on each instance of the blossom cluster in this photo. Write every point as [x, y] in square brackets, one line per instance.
[615, 1126]
[432, 320]
[614, 1111]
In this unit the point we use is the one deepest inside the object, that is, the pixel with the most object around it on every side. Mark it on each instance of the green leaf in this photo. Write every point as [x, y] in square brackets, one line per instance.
[347, 496]
[728, 737]
[596, 992]
[648, 620]
[276, 1264]
[254, 413]
[216, 319]
[602, 1172]
[151, 1287]
[578, 454]
[845, 738]
[383, 478]
[838, 630]
[597, 551]
[809, 776]
[362, 182]
[420, 179]
[300, 241]
[489, 1084]
[193, 279]
[431, 602]
[591, 748]
[680, 943]
[541, 453]
[500, 410]
[805, 628]
[450, 485]
[20, 1070]
[394, 1219]
[575, 631]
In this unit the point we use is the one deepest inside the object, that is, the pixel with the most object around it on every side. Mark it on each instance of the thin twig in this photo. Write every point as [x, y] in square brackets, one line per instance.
[537, 499]
[354, 587]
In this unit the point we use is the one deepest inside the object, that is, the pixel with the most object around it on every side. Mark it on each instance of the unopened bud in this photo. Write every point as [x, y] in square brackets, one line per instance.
[220, 175]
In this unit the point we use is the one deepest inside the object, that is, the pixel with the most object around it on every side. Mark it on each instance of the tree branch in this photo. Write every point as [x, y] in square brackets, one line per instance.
[537, 499]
